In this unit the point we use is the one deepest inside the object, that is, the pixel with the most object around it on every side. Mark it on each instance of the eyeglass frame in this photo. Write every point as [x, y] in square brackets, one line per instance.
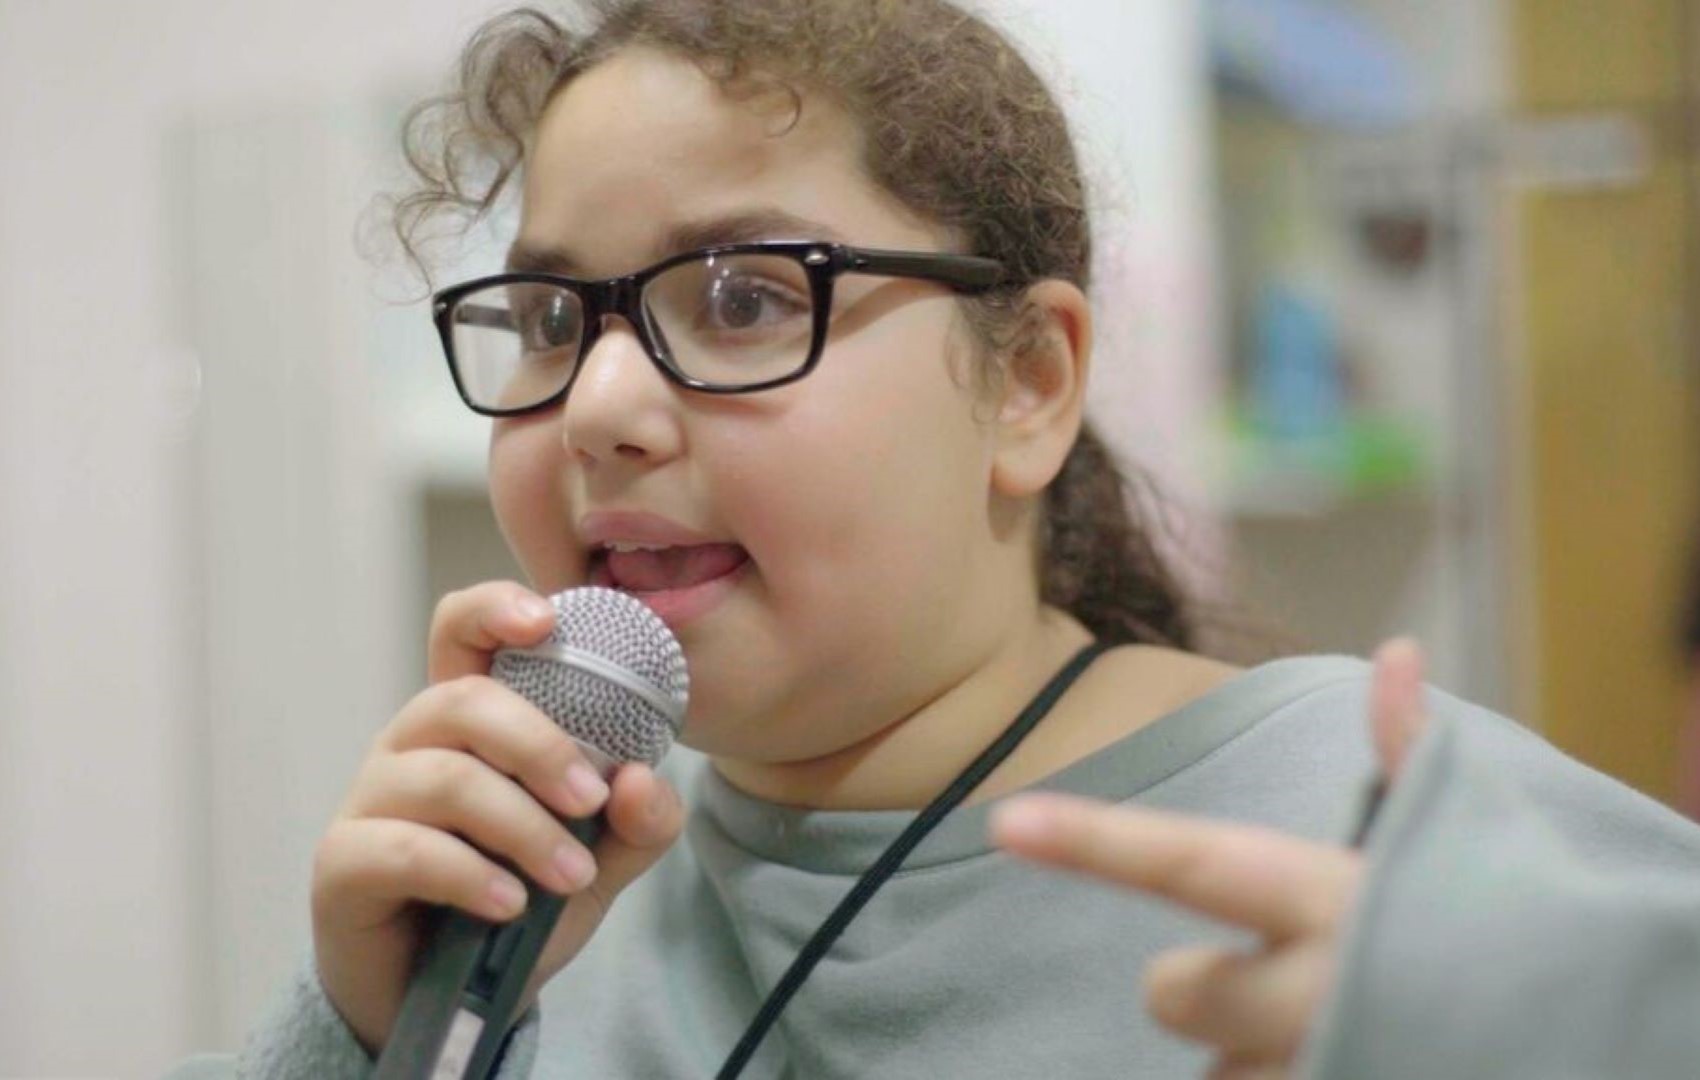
[824, 262]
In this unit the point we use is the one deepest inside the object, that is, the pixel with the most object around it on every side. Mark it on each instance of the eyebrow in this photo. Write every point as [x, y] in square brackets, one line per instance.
[766, 223]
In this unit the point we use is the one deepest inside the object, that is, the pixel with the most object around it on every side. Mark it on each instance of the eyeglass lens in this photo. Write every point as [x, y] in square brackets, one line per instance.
[726, 321]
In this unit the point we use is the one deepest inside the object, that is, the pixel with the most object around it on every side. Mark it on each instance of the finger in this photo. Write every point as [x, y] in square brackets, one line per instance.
[1397, 715]
[1278, 885]
[1252, 1006]
[468, 627]
[480, 716]
[364, 869]
[458, 793]
[645, 817]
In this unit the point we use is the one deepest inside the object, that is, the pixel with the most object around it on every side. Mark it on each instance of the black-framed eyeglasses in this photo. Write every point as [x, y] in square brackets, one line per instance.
[731, 319]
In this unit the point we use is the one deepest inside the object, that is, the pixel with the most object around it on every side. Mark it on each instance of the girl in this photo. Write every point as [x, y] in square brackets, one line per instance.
[794, 345]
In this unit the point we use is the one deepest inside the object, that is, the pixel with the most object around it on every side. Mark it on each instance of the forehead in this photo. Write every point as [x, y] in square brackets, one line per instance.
[644, 147]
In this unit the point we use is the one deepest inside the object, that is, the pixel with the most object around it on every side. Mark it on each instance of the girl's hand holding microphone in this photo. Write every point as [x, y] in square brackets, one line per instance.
[470, 762]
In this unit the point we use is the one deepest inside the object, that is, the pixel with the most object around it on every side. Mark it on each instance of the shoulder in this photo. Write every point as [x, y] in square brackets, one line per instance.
[1284, 744]
[1175, 678]
[1136, 686]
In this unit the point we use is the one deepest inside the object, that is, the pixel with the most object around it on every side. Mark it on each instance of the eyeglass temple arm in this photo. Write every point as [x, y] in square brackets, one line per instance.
[483, 315]
[493, 318]
[963, 271]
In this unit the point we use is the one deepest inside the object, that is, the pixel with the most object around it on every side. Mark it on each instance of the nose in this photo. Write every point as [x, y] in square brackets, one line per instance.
[620, 407]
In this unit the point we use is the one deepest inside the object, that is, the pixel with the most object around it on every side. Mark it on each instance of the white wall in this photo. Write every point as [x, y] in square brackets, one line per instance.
[1134, 77]
[118, 897]
[104, 966]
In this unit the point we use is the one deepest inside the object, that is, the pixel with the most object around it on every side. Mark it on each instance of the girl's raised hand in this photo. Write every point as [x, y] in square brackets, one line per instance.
[468, 761]
[1252, 1007]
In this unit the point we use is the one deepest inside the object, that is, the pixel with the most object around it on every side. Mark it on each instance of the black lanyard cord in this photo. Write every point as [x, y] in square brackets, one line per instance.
[888, 862]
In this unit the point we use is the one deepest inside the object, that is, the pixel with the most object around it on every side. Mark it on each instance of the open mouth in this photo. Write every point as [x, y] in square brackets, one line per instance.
[678, 583]
[640, 569]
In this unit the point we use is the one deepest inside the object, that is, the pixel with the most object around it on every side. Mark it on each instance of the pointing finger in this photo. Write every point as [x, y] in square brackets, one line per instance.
[1266, 881]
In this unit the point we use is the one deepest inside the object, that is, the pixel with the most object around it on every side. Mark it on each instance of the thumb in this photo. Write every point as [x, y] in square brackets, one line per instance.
[1397, 715]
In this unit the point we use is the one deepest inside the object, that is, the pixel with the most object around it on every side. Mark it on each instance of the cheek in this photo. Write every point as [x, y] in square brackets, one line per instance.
[526, 500]
[865, 483]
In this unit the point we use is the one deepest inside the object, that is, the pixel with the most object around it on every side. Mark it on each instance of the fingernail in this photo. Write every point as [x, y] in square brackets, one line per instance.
[531, 609]
[583, 782]
[577, 869]
[507, 896]
[1022, 822]
[658, 801]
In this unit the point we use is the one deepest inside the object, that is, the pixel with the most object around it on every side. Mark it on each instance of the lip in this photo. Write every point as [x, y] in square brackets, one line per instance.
[606, 526]
[679, 608]
[675, 607]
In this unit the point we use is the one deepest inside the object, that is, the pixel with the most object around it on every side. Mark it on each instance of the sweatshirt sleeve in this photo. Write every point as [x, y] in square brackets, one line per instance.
[1523, 917]
[301, 1036]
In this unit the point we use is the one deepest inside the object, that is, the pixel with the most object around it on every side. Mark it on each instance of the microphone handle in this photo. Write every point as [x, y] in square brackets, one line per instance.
[465, 990]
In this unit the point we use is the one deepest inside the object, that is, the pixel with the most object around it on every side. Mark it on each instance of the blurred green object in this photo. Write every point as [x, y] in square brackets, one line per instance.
[1367, 456]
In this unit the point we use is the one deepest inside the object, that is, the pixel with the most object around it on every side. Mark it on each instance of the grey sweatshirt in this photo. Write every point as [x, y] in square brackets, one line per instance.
[1514, 895]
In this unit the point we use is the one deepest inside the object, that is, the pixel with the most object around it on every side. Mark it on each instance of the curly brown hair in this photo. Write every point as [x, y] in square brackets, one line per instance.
[959, 128]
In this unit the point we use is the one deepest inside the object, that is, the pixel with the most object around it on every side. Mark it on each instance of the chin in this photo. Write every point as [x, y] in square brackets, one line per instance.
[730, 716]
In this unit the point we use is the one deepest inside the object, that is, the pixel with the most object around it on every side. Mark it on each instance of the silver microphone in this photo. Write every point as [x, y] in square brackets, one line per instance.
[611, 674]
[613, 677]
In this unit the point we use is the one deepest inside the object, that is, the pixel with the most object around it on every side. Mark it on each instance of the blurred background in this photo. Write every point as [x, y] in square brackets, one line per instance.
[1399, 301]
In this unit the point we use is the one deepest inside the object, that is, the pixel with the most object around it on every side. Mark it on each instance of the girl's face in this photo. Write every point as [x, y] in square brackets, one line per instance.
[860, 495]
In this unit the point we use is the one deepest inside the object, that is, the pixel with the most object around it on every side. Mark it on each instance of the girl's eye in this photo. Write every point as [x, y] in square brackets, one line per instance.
[745, 303]
[550, 322]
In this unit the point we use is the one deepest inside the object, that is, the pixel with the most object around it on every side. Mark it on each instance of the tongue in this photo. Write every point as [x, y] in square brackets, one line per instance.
[674, 568]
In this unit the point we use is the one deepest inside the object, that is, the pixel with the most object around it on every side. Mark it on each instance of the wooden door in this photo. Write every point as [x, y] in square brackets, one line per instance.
[1607, 457]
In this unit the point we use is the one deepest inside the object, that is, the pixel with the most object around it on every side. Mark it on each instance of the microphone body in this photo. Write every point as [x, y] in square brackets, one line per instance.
[613, 676]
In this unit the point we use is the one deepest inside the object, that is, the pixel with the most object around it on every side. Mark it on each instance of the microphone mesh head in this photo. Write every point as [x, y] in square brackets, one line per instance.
[620, 631]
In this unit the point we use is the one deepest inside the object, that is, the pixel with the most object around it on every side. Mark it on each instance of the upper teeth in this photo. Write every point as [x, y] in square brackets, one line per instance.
[632, 545]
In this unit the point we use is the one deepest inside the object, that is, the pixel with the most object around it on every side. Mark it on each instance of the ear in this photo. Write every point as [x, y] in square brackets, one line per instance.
[1044, 391]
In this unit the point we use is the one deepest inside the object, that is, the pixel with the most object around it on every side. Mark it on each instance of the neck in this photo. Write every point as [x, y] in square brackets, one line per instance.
[907, 764]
